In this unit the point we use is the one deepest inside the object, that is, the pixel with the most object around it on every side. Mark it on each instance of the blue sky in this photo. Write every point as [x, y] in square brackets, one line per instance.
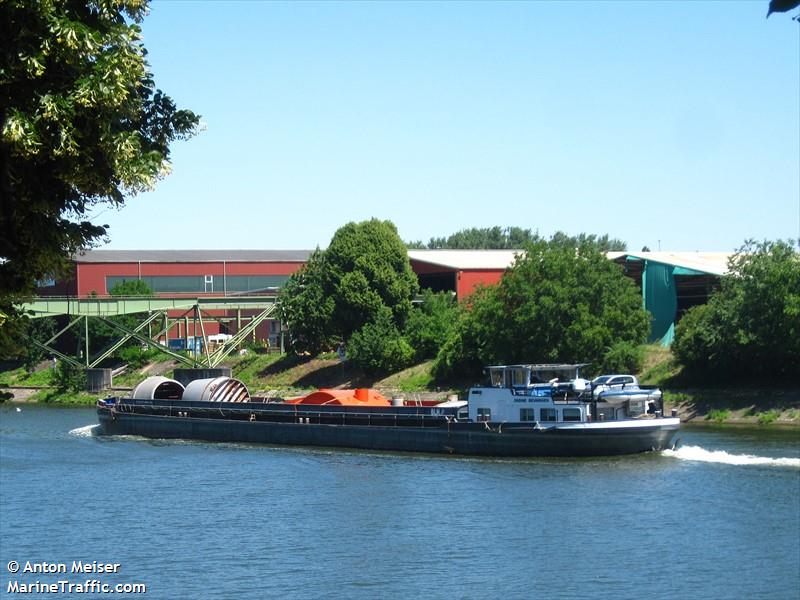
[674, 124]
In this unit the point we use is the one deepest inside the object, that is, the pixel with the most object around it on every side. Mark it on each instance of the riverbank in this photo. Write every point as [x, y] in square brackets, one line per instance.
[285, 376]
[694, 408]
[736, 406]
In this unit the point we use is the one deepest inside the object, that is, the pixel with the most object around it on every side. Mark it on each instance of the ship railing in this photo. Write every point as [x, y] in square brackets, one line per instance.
[250, 411]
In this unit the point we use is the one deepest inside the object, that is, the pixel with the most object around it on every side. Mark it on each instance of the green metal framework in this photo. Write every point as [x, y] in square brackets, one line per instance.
[156, 310]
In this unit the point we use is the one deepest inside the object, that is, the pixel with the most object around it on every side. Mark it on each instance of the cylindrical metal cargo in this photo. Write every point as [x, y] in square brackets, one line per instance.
[218, 389]
[158, 388]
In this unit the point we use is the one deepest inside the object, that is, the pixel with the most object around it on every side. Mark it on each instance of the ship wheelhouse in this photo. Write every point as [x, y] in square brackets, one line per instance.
[535, 394]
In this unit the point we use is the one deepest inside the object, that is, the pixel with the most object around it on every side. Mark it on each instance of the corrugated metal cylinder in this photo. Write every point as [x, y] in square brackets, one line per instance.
[218, 389]
[158, 388]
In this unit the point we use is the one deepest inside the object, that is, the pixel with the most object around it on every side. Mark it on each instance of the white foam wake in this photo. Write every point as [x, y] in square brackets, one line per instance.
[697, 453]
[86, 431]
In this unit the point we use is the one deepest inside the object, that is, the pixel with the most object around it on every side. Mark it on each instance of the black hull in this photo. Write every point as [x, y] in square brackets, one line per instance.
[473, 439]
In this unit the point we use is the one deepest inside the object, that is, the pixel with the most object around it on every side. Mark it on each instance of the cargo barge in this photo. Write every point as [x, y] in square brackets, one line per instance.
[523, 410]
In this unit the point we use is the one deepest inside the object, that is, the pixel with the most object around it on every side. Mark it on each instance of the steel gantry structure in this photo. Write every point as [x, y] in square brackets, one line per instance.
[156, 312]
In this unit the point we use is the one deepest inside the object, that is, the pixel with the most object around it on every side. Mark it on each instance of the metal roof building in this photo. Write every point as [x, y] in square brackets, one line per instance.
[460, 271]
[671, 282]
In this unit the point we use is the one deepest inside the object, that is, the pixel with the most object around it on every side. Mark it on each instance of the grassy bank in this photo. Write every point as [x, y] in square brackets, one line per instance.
[740, 403]
[289, 375]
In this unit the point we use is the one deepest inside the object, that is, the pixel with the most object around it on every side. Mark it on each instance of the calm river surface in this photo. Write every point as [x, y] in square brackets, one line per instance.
[719, 518]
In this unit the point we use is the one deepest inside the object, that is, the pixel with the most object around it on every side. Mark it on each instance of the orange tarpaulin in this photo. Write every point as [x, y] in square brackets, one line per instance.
[358, 397]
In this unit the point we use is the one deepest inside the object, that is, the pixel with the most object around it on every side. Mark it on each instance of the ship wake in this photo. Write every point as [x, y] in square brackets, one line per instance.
[86, 431]
[698, 454]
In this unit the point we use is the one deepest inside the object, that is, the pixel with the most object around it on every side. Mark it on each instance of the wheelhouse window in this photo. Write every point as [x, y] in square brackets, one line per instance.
[527, 414]
[496, 375]
[548, 414]
[519, 376]
[572, 414]
[484, 414]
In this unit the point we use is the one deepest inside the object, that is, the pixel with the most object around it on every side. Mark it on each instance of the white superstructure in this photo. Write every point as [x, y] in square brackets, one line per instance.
[545, 394]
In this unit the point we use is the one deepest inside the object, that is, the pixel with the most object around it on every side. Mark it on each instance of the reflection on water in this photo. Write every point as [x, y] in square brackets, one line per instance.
[716, 518]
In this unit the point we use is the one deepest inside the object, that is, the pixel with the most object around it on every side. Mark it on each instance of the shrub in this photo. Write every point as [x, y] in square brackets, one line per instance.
[718, 415]
[136, 357]
[431, 323]
[68, 378]
[378, 347]
[767, 417]
[623, 357]
[751, 327]
[675, 398]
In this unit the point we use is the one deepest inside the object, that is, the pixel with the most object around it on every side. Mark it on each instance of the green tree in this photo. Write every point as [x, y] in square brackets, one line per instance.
[68, 378]
[603, 243]
[783, 6]
[431, 323]
[102, 335]
[514, 238]
[379, 347]
[750, 328]
[364, 270]
[41, 330]
[82, 124]
[472, 344]
[487, 238]
[558, 303]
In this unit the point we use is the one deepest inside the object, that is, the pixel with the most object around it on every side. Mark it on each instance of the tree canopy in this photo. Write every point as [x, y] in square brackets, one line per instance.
[750, 328]
[557, 303]
[431, 323]
[364, 273]
[511, 238]
[82, 124]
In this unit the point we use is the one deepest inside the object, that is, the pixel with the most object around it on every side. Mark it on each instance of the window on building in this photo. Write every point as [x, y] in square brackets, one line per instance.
[484, 414]
[527, 414]
[163, 283]
[572, 414]
[255, 283]
[548, 414]
[166, 284]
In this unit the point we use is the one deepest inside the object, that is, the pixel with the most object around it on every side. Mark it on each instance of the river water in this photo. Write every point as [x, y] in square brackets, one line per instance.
[718, 518]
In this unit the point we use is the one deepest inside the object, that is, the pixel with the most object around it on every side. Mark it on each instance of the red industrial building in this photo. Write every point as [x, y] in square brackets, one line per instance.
[236, 272]
[670, 282]
[460, 271]
[181, 272]
[227, 273]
